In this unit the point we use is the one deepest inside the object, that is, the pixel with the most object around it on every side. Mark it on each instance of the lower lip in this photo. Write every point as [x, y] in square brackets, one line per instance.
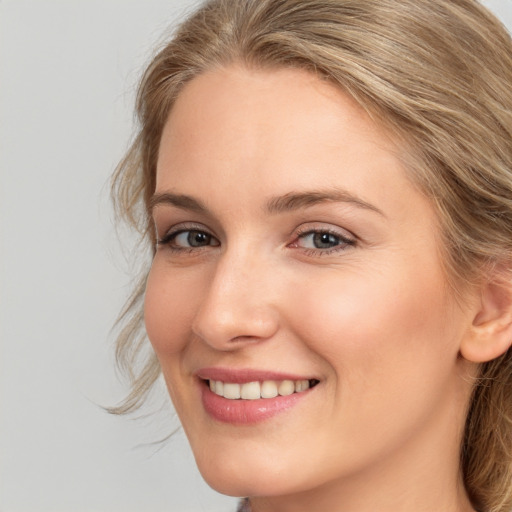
[246, 412]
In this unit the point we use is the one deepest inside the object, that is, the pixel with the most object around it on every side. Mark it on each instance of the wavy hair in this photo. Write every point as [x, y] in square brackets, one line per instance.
[438, 73]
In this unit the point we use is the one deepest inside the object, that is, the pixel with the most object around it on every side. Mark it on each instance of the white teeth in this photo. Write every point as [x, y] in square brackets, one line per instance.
[231, 391]
[269, 389]
[256, 390]
[301, 385]
[250, 391]
[286, 387]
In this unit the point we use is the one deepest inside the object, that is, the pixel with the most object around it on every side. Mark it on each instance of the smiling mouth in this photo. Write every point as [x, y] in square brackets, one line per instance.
[259, 390]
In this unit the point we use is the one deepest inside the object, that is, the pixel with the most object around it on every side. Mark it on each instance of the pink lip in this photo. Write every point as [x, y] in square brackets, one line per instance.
[245, 412]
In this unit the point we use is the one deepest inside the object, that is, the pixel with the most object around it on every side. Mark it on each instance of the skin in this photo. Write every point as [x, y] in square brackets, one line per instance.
[373, 320]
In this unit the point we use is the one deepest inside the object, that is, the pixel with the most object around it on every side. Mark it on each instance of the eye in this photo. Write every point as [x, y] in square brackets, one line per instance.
[188, 239]
[192, 238]
[322, 241]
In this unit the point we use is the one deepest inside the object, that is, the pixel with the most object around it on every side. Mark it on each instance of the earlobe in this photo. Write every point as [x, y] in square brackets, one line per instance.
[490, 334]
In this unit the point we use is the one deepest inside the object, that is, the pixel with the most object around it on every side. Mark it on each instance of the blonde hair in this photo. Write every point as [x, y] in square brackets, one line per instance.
[438, 73]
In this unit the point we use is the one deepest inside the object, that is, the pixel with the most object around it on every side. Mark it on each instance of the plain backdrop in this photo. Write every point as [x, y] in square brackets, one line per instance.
[68, 71]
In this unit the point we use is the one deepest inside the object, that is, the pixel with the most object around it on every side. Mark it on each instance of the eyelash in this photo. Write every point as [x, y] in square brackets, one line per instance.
[344, 242]
[168, 239]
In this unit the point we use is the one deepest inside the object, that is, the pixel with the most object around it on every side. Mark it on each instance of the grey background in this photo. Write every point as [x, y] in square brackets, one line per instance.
[68, 70]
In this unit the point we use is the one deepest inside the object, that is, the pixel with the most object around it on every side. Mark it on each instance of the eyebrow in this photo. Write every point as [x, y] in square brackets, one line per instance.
[288, 202]
[179, 200]
[297, 200]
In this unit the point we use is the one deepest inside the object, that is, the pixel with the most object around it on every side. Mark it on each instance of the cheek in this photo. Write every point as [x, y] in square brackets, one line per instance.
[170, 304]
[377, 321]
[391, 355]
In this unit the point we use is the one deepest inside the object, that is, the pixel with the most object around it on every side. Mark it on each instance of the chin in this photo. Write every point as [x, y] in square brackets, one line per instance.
[241, 487]
[241, 478]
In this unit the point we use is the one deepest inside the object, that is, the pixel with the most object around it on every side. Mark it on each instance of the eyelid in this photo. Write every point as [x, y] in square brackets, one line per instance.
[320, 227]
[181, 227]
[346, 238]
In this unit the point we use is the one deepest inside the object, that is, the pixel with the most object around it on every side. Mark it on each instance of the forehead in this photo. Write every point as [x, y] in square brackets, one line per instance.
[236, 108]
[236, 133]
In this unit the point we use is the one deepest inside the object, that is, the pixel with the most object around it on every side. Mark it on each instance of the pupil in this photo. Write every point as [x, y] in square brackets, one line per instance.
[325, 240]
[197, 239]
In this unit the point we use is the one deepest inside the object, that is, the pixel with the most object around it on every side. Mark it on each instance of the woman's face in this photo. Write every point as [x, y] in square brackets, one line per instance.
[294, 251]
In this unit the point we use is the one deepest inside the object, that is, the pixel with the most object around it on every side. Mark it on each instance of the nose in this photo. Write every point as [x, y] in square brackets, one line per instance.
[239, 305]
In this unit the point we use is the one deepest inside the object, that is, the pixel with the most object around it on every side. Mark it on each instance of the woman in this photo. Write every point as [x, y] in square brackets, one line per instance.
[327, 189]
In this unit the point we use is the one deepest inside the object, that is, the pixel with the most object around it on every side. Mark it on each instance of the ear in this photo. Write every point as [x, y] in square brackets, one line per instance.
[490, 334]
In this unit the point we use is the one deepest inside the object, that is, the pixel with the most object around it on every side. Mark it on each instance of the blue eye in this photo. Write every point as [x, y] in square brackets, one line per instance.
[188, 239]
[323, 241]
[192, 238]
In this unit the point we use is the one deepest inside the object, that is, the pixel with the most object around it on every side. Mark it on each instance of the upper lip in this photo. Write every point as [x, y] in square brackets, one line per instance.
[241, 376]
